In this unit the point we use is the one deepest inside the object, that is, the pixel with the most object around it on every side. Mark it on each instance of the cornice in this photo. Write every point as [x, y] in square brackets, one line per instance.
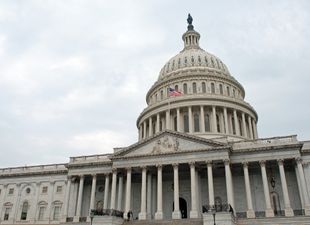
[93, 164]
[267, 148]
[41, 173]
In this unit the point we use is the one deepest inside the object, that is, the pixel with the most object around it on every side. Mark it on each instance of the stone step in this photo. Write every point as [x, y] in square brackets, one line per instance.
[165, 222]
[297, 220]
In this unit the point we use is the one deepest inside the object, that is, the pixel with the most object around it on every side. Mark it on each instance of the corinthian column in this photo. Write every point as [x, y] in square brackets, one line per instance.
[288, 209]
[79, 203]
[303, 186]
[190, 119]
[226, 121]
[210, 183]
[193, 212]
[128, 193]
[168, 120]
[214, 120]
[142, 214]
[176, 214]
[159, 212]
[236, 122]
[250, 126]
[120, 193]
[93, 192]
[106, 191]
[66, 203]
[269, 212]
[150, 127]
[250, 212]
[157, 123]
[229, 185]
[178, 120]
[202, 120]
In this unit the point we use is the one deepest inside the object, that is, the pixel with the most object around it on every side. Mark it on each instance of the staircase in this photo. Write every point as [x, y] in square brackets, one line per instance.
[300, 220]
[165, 222]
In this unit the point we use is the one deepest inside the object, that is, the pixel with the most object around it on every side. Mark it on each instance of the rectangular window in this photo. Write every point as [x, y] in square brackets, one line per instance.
[41, 213]
[56, 212]
[11, 191]
[7, 213]
[44, 190]
[59, 189]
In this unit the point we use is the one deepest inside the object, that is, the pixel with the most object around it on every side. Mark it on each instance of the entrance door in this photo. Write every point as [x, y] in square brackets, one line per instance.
[183, 208]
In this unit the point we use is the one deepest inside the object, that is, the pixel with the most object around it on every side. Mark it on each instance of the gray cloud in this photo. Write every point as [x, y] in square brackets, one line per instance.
[74, 74]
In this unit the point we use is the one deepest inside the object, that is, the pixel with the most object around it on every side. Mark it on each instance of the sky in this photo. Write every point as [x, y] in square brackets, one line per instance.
[74, 73]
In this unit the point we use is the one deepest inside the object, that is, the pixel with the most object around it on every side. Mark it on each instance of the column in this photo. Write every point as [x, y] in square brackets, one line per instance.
[250, 126]
[67, 198]
[226, 121]
[176, 214]
[106, 191]
[243, 125]
[210, 184]
[142, 214]
[113, 188]
[214, 120]
[149, 196]
[236, 123]
[229, 185]
[159, 212]
[128, 193]
[287, 205]
[157, 123]
[168, 120]
[16, 205]
[120, 193]
[178, 120]
[2, 196]
[269, 211]
[254, 129]
[303, 186]
[250, 212]
[190, 119]
[144, 129]
[79, 202]
[193, 212]
[33, 213]
[93, 192]
[202, 120]
[150, 127]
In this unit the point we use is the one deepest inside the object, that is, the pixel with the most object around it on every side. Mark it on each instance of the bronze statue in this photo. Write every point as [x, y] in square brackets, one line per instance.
[189, 19]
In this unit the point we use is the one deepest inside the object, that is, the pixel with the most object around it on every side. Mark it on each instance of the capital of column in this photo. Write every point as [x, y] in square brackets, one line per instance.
[245, 164]
[143, 167]
[114, 170]
[175, 165]
[107, 174]
[128, 169]
[262, 162]
[159, 166]
[298, 160]
[81, 176]
[209, 162]
[94, 175]
[226, 162]
[280, 162]
[192, 163]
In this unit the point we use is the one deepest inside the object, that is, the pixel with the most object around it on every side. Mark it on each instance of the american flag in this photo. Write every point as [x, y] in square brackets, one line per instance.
[173, 92]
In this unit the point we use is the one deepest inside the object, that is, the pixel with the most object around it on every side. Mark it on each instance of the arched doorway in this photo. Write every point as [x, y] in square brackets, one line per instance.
[182, 207]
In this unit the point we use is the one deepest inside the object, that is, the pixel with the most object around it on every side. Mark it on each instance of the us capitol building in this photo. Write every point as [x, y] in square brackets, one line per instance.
[198, 160]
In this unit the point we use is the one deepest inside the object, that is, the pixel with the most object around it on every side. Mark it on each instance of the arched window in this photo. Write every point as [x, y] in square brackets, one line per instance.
[42, 209]
[153, 128]
[24, 211]
[161, 125]
[234, 93]
[185, 122]
[175, 123]
[7, 210]
[212, 88]
[228, 91]
[57, 210]
[196, 122]
[194, 88]
[207, 123]
[218, 125]
[185, 88]
[240, 127]
[204, 89]
[221, 89]
[176, 87]
[161, 95]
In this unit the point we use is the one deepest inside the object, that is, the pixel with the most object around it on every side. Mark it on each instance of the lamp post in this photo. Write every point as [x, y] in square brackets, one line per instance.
[91, 215]
[213, 213]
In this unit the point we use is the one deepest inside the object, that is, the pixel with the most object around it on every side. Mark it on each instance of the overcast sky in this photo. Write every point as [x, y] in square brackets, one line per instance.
[74, 74]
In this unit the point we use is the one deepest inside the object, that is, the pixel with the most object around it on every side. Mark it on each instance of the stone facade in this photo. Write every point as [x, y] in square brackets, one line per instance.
[197, 154]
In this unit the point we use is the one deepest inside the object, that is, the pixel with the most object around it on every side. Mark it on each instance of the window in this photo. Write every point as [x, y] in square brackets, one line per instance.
[56, 214]
[23, 215]
[161, 95]
[185, 121]
[207, 123]
[196, 122]
[28, 190]
[7, 212]
[58, 189]
[212, 88]
[218, 126]
[221, 89]
[234, 94]
[175, 123]
[204, 89]
[233, 125]
[11, 191]
[41, 212]
[44, 190]
[176, 87]
[194, 88]
[185, 88]
[228, 91]
[240, 127]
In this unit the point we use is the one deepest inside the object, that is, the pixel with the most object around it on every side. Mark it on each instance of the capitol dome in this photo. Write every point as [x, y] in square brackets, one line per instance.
[211, 101]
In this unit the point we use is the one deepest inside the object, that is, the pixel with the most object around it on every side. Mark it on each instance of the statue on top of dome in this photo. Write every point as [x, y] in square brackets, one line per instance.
[190, 21]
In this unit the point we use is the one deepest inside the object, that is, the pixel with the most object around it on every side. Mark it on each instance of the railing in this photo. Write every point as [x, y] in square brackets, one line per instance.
[108, 212]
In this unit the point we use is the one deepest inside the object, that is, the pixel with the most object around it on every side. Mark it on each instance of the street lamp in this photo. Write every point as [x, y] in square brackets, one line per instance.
[91, 215]
[213, 213]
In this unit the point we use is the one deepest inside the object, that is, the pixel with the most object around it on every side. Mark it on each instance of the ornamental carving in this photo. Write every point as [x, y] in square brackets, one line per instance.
[166, 144]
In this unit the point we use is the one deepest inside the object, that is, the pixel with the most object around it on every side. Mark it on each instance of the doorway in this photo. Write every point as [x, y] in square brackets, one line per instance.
[183, 208]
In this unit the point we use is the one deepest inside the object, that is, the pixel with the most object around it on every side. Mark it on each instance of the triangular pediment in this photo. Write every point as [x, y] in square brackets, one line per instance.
[168, 142]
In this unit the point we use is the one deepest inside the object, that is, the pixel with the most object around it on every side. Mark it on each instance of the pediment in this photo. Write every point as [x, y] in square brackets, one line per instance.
[167, 142]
